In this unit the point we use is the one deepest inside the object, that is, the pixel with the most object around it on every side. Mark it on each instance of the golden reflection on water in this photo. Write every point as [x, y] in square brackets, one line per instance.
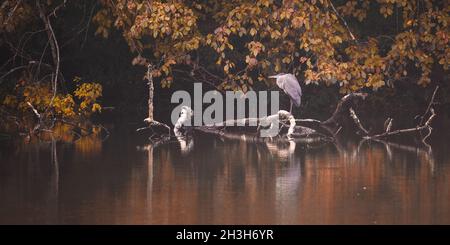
[229, 182]
[322, 187]
[248, 184]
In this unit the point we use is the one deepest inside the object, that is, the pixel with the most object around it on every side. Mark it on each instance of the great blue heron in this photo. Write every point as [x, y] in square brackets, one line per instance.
[289, 84]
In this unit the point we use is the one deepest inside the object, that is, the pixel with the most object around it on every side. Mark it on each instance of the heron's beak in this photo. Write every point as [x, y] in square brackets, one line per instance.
[273, 76]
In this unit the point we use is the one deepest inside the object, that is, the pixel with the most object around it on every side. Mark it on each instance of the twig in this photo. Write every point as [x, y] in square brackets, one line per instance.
[38, 69]
[75, 125]
[10, 14]
[417, 128]
[337, 132]
[429, 105]
[308, 120]
[143, 128]
[77, 134]
[11, 71]
[106, 131]
[388, 124]
[55, 78]
[343, 105]
[34, 110]
[357, 121]
[343, 20]
[428, 135]
[153, 123]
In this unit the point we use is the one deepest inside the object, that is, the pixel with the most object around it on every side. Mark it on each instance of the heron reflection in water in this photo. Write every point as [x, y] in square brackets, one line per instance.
[181, 132]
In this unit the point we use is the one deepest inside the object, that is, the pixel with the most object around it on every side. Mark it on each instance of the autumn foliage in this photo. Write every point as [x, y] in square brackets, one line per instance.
[82, 102]
[323, 41]
[34, 85]
[230, 45]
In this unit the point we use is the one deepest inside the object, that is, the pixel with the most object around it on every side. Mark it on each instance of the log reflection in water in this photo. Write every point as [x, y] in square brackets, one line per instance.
[186, 144]
[149, 190]
[425, 152]
[54, 178]
[226, 182]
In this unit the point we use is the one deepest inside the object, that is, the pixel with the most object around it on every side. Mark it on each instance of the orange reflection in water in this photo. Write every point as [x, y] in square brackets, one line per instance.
[228, 182]
[244, 184]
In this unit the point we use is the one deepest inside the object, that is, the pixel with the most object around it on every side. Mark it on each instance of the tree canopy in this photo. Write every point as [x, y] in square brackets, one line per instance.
[229, 45]
[234, 44]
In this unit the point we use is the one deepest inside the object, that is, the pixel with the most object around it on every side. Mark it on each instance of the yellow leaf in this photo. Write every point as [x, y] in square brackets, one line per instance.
[96, 107]
[226, 68]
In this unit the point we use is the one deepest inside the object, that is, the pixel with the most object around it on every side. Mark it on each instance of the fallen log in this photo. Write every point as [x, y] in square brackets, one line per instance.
[388, 132]
[289, 128]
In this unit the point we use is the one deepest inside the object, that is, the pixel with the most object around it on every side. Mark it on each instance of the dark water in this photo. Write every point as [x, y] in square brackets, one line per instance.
[120, 181]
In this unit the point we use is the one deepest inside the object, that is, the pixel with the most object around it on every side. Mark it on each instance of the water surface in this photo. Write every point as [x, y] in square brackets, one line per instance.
[214, 181]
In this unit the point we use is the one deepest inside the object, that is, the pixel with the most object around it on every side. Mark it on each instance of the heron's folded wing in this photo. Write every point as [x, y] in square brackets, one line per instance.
[292, 88]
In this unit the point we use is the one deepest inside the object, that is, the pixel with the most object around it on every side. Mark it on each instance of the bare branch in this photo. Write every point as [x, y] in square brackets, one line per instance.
[388, 124]
[343, 20]
[418, 128]
[357, 121]
[34, 110]
[10, 14]
[429, 105]
[343, 106]
[150, 120]
[53, 45]
[308, 120]
[11, 71]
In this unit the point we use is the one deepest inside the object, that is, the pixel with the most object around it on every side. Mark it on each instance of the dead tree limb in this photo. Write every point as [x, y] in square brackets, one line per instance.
[53, 45]
[10, 14]
[343, 20]
[388, 124]
[11, 71]
[418, 128]
[357, 121]
[429, 105]
[150, 120]
[284, 119]
[343, 106]
[38, 115]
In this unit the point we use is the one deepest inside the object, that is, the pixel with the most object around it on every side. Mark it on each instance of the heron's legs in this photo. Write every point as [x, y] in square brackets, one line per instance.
[290, 110]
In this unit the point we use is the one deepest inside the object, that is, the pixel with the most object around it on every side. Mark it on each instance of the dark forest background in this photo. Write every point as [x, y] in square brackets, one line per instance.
[108, 61]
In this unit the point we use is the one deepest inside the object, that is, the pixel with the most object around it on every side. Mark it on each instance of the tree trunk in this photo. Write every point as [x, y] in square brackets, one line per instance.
[151, 91]
[53, 45]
